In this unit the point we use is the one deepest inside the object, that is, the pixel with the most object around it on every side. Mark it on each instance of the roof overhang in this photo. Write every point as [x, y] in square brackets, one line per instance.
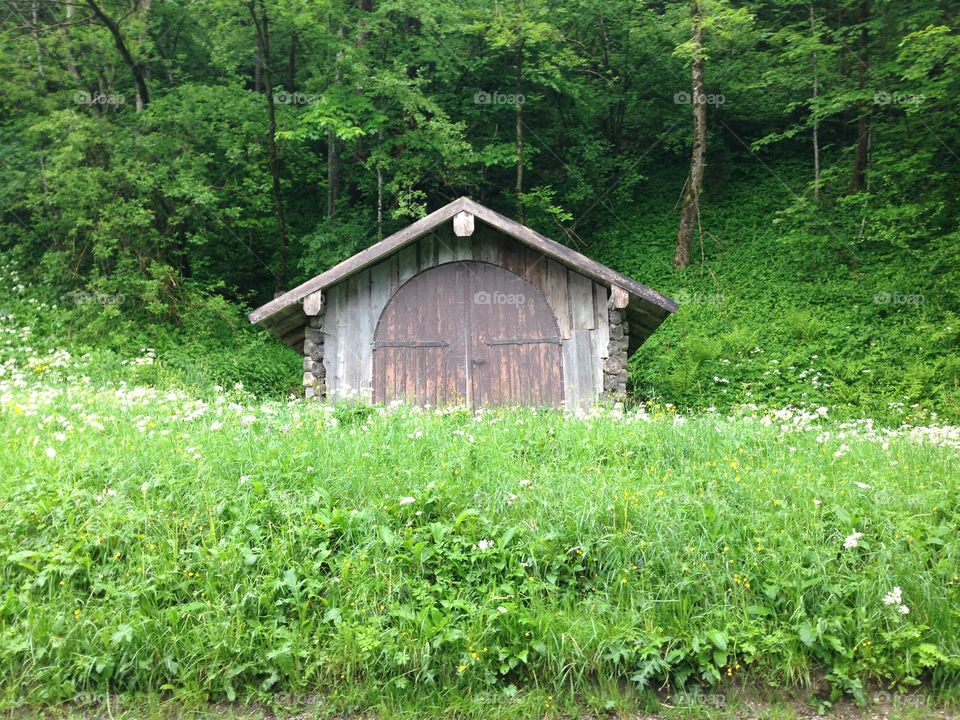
[646, 309]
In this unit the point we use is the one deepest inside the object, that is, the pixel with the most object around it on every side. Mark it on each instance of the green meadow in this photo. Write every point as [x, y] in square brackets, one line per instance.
[222, 548]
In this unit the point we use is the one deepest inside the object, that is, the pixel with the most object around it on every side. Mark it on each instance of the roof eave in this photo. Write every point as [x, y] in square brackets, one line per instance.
[361, 260]
[647, 300]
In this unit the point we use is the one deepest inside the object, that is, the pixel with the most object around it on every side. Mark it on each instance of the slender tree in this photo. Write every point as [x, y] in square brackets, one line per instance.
[261, 21]
[859, 174]
[521, 210]
[333, 142]
[816, 120]
[136, 68]
[690, 207]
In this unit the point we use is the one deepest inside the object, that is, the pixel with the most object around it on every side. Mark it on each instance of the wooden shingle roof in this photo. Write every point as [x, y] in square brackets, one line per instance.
[646, 308]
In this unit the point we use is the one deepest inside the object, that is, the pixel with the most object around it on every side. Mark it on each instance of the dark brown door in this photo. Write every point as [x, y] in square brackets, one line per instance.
[468, 332]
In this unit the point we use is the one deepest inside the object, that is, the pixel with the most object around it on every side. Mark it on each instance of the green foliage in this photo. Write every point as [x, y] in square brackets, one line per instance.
[779, 315]
[336, 239]
[210, 344]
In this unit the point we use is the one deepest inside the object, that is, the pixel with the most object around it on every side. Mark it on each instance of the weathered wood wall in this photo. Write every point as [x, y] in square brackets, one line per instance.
[353, 306]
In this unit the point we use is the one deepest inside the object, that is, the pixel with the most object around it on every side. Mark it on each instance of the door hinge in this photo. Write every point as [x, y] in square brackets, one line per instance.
[409, 343]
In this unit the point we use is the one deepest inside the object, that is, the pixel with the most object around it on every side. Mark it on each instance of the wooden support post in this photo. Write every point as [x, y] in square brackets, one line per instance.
[463, 224]
[313, 303]
[619, 297]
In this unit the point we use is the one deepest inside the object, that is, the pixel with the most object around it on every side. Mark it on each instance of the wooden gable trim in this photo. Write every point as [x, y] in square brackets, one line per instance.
[361, 260]
[649, 300]
[568, 256]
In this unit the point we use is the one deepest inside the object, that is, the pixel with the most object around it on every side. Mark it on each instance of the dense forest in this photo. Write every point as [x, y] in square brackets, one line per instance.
[787, 170]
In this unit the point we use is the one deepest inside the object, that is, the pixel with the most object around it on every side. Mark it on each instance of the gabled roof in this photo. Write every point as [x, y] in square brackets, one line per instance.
[284, 317]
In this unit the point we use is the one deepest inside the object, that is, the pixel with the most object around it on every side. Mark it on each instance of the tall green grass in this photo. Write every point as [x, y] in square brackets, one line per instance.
[226, 548]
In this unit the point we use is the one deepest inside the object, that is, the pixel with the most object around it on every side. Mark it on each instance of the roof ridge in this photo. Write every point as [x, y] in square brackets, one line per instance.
[519, 232]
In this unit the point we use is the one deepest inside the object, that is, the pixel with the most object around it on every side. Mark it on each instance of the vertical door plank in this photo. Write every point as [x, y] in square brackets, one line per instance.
[572, 389]
[581, 301]
[407, 263]
[341, 343]
[601, 321]
[535, 268]
[463, 247]
[428, 251]
[557, 295]
[586, 366]
[489, 244]
[445, 244]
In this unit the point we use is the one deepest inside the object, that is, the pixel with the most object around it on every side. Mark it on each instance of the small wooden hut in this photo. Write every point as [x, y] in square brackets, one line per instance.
[466, 306]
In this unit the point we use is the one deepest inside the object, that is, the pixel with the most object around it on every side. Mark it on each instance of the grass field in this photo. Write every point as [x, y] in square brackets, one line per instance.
[223, 548]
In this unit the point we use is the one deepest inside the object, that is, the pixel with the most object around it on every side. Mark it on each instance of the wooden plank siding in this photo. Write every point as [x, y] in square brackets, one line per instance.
[354, 306]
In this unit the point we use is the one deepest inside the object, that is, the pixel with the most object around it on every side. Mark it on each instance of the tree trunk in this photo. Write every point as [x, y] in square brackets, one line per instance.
[35, 13]
[859, 174]
[816, 121]
[690, 209]
[521, 209]
[333, 147]
[257, 64]
[333, 172]
[139, 78]
[292, 65]
[68, 52]
[379, 186]
[261, 23]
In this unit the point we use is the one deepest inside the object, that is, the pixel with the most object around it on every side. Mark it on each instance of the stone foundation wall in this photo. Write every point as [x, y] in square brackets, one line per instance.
[314, 373]
[615, 364]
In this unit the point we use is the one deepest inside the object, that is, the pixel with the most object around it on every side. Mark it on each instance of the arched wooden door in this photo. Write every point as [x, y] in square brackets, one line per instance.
[468, 332]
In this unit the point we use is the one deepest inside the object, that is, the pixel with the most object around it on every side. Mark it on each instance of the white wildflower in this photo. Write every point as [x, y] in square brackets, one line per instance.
[51, 453]
[894, 597]
[407, 500]
[851, 540]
